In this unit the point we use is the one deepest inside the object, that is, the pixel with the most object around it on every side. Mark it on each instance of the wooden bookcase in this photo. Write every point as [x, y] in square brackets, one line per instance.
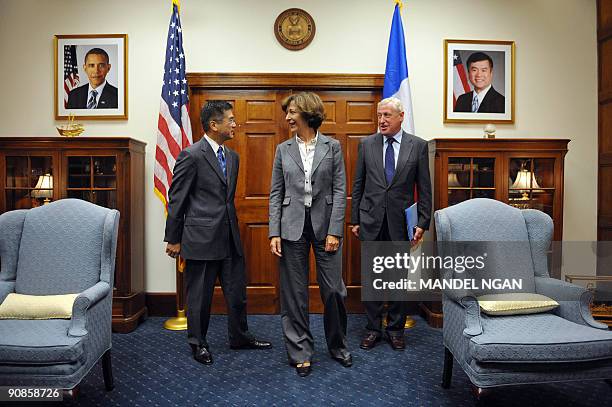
[108, 171]
[524, 173]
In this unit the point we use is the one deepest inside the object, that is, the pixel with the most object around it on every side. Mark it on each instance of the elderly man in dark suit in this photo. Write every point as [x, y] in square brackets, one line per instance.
[98, 93]
[483, 99]
[202, 227]
[389, 164]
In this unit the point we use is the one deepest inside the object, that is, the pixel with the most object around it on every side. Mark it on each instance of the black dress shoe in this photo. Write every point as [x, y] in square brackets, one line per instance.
[203, 355]
[397, 342]
[369, 341]
[253, 344]
[344, 360]
[303, 369]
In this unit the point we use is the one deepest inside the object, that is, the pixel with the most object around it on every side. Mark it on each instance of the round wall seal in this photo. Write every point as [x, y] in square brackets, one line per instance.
[294, 29]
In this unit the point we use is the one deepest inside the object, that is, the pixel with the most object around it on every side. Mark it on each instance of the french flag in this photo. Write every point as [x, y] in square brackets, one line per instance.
[396, 72]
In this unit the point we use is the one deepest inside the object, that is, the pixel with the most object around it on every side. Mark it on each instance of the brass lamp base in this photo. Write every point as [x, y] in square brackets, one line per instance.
[178, 323]
[410, 322]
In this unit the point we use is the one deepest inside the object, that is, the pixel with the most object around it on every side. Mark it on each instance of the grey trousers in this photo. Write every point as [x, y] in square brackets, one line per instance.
[294, 296]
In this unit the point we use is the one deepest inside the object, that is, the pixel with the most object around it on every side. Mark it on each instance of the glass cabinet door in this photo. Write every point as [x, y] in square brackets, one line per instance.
[470, 177]
[93, 179]
[29, 181]
[531, 183]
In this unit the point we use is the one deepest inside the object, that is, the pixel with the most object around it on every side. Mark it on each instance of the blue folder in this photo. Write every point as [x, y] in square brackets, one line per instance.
[412, 219]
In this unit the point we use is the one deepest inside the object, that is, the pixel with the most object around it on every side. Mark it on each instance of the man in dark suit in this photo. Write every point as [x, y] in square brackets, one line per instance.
[483, 99]
[389, 164]
[98, 93]
[203, 228]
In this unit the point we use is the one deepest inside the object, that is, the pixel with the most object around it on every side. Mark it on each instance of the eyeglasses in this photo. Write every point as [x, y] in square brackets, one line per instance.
[230, 121]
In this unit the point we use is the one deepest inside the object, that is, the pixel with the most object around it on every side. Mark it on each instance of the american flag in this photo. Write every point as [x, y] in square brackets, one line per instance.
[173, 125]
[460, 82]
[71, 71]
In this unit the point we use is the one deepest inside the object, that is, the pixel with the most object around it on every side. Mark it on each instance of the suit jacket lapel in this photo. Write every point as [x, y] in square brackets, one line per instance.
[487, 99]
[321, 150]
[377, 152]
[229, 167]
[404, 153]
[103, 98]
[211, 157]
[294, 152]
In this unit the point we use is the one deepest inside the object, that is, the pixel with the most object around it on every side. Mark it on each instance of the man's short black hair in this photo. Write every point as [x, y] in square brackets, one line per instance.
[97, 51]
[214, 110]
[479, 56]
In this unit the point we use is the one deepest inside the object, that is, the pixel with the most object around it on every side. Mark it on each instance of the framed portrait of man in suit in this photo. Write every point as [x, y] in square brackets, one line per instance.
[478, 81]
[91, 76]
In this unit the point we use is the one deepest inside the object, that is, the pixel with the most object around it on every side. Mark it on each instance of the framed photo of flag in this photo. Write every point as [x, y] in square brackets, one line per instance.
[478, 81]
[90, 72]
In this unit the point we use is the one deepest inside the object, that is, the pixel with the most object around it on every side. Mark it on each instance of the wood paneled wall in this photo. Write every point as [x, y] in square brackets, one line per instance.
[350, 105]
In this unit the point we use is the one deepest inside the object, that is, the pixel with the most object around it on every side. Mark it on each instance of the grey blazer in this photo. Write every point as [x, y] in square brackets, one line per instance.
[286, 215]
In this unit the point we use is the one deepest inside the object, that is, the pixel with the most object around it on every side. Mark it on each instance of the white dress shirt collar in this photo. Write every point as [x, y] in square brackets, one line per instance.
[213, 144]
[312, 142]
[397, 137]
[481, 95]
[98, 90]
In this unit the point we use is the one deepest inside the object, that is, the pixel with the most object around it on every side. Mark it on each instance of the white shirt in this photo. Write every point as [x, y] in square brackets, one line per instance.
[396, 147]
[99, 90]
[214, 144]
[307, 151]
[481, 95]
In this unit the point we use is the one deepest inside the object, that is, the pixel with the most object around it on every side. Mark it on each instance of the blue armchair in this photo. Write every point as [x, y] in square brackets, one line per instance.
[64, 247]
[565, 344]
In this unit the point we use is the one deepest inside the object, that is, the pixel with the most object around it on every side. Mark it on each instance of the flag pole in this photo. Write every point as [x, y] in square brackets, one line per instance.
[178, 323]
[395, 89]
[174, 134]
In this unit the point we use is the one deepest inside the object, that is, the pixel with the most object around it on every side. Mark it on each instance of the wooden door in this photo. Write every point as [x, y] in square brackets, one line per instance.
[350, 105]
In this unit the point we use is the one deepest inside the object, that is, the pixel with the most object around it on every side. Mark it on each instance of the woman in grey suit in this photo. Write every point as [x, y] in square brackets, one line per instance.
[307, 203]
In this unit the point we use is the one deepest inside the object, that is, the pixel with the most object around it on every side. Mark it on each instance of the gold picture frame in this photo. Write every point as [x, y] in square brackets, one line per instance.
[460, 80]
[72, 81]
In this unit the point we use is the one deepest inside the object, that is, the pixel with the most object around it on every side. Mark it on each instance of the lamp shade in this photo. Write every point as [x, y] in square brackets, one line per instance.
[525, 179]
[44, 187]
[453, 181]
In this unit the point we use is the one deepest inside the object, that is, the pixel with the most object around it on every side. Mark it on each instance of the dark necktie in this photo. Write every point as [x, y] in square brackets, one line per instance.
[389, 160]
[221, 159]
[92, 100]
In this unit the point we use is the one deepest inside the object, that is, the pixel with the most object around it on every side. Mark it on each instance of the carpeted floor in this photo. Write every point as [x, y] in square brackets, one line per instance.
[154, 367]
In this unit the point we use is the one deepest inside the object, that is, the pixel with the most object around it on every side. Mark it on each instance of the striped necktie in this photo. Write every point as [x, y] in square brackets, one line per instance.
[92, 100]
[475, 104]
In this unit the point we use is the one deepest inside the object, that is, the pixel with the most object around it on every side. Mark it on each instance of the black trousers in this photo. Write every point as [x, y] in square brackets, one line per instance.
[200, 277]
[294, 273]
[396, 310]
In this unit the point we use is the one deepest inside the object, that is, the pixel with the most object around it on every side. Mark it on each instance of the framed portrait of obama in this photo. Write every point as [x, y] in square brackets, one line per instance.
[91, 76]
[478, 81]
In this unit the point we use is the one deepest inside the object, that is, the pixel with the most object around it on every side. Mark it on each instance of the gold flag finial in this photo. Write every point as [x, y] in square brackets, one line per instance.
[400, 3]
[178, 4]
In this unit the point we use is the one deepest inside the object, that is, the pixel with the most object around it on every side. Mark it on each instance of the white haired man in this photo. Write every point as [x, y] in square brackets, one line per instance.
[389, 165]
